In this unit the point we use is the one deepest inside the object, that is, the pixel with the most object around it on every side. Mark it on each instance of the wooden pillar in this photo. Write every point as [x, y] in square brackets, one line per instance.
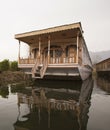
[39, 46]
[19, 52]
[53, 58]
[29, 52]
[77, 47]
[48, 48]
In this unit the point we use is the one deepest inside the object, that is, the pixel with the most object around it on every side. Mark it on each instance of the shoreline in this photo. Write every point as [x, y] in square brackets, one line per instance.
[7, 77]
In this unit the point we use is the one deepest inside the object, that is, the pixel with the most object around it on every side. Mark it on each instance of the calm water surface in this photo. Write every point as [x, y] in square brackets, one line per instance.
[53, 105]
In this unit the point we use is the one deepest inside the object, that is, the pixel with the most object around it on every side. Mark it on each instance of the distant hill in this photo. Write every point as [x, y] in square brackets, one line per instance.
[99, 56]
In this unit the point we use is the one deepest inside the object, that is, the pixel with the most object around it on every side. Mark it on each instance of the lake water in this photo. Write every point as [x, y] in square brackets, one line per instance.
[56, 105]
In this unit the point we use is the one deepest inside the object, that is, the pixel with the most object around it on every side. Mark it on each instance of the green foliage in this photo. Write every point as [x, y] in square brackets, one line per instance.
[4, 65]
[14, 66]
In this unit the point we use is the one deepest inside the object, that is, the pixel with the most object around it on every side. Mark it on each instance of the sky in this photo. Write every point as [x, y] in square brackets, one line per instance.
[19, 16]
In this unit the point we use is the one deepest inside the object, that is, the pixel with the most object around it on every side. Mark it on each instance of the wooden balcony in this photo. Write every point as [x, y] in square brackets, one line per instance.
[26, 61]
[52, 60]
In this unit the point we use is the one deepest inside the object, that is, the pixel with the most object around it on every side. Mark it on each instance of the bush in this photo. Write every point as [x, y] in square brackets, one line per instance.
[14, 66]
[4, 65]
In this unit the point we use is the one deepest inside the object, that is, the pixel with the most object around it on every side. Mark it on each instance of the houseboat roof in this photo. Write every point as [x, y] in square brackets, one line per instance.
[68, 31]
[108, 59]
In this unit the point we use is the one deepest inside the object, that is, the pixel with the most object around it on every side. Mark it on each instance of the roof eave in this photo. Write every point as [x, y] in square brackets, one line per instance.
[50, 30]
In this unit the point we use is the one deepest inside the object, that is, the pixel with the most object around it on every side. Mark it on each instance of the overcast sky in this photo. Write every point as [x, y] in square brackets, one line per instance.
[19, 16]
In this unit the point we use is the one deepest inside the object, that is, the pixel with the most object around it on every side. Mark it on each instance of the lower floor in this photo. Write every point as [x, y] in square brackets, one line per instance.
[58, 71]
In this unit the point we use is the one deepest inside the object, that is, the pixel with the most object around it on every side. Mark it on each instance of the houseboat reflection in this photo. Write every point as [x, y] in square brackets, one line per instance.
[4, 91]
[52, 108]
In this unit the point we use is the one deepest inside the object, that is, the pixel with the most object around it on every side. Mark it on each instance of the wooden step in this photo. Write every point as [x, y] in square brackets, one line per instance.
[36, 77]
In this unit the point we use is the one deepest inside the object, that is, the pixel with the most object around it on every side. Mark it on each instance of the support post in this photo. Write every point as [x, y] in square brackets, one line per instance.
[29, 52]
[19, 52]
[39, 55]
[77, 47]
[48, 48]
[39, 46]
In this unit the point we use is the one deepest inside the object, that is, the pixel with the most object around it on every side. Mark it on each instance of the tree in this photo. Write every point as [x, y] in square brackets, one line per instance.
[4, 65]
[14, 66]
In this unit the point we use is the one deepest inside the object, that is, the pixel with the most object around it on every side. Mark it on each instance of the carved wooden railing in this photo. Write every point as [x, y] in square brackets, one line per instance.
[44, 67]
[60, 60]
[37, 62]
[55, 60]
[26, 61]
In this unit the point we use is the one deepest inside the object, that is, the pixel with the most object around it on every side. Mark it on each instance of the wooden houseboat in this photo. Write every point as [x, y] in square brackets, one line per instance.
[104, 84]
[56, 53]
[103, 68]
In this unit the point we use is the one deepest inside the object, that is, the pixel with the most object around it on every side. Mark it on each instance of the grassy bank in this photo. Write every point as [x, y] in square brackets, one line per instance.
[12, 77]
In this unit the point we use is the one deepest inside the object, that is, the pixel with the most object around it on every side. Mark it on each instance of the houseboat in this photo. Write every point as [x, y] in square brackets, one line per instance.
[56, 53]
[103, 84]
[103, 68]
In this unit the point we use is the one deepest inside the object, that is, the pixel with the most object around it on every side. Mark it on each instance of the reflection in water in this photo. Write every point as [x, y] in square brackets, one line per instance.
[104, 84]
[52, 108]
[4, 92]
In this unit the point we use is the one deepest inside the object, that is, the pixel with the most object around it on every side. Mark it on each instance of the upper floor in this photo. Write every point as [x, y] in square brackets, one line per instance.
[58, 45]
